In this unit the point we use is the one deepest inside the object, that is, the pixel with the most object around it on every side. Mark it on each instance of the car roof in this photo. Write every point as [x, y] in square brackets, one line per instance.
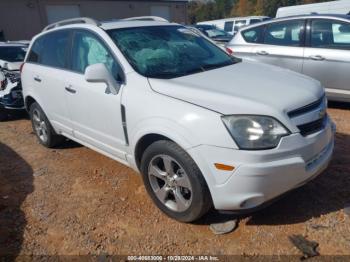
[140, 21]
[306, 16]
[314, 15]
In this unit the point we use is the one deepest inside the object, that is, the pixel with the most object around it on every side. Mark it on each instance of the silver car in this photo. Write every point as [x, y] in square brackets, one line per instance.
[314, 45]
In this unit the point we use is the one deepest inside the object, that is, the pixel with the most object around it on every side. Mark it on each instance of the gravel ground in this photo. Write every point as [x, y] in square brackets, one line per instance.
[71, 201]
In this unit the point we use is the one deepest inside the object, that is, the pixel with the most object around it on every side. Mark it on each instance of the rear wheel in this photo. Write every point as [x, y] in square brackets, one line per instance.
[42, 127]
[174, 182]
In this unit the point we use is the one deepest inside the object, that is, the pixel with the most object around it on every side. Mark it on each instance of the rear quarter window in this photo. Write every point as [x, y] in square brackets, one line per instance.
[253, 35]
[35, 52]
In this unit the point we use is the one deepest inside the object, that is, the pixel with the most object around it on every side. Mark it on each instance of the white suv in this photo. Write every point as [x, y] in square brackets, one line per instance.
[204, 128]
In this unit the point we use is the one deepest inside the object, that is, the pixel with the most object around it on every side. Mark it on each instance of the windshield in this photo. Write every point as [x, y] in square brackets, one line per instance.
[12, 53]
[168, 51]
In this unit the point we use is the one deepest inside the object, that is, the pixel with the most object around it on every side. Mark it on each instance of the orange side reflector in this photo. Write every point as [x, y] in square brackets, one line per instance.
[224, 167]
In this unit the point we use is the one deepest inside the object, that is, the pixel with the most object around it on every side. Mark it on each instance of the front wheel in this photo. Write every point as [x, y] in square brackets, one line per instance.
[174, 182]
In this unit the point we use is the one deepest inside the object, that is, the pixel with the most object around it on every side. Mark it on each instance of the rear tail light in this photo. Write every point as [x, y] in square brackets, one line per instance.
[21, 68]
[229, 51]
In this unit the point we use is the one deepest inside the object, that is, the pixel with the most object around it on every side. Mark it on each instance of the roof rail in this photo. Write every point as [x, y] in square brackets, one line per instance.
[146, 18]
[78, 20]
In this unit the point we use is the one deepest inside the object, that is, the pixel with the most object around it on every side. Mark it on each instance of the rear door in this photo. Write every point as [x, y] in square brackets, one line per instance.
[45, 72]
[327, 55]
[282, 45]
[95, 111]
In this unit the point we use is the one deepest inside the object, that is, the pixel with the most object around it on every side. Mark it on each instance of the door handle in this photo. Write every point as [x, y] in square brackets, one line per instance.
[70, 89]
[262, 52]
[37, 79]
[317, 57]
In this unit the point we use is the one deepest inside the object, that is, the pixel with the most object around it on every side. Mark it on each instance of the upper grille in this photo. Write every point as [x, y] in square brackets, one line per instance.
[313, 127]
[307, 108]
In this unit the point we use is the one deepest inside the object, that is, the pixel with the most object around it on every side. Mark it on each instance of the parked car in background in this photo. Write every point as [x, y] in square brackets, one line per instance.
[217, 35]
[204, 128]
[232, 25]
[314, 45]
[11, 58]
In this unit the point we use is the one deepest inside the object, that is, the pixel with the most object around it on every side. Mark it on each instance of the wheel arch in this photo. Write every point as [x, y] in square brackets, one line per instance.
[29, 100]
[144, 142]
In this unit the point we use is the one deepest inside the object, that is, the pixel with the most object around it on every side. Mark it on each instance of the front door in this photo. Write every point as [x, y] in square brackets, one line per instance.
[94, 110]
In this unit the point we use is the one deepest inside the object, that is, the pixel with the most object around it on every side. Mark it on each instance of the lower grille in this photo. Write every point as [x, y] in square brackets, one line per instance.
[313, 127]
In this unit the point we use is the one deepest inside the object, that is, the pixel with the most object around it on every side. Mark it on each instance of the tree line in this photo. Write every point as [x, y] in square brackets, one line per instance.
[217, 9]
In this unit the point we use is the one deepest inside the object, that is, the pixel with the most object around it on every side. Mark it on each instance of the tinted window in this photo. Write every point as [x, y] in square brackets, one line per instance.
[330, 34]
[36, 51]
[50, 49]
[12, 53]
[228, 26]
[254, 21]
[54, 49]
[253, 35]
[89, 50]
[284, 33]
[168, 51]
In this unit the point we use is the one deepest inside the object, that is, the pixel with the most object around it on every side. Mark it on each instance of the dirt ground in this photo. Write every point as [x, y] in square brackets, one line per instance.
[72, 200]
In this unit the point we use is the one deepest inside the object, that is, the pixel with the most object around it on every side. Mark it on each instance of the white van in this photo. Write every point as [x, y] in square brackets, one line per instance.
[232, 25]
[333, 7]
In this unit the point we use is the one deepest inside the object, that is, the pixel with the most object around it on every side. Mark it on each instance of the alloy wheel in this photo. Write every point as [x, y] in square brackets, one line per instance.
[170, 183]
[40, 125]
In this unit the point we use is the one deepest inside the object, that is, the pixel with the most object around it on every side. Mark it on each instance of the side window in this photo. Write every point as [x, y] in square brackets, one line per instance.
[54, 50]
[330, 34]
[89, 50]
[228, 26]
[284, 33]
[253, 35]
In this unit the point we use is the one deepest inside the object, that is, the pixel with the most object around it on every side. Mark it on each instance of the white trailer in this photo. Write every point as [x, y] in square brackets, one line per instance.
[333, 7]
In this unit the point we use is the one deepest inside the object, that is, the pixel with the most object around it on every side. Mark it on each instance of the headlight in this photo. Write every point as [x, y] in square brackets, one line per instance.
[255, 132]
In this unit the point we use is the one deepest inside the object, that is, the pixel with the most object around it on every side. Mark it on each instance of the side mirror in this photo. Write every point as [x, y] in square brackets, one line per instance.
[98, 73]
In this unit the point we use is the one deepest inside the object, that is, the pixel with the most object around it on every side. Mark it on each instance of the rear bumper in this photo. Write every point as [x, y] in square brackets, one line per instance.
[261, 176]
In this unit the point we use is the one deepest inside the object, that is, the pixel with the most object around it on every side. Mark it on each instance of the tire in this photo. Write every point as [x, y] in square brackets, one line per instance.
[182, 192]
[42, 127]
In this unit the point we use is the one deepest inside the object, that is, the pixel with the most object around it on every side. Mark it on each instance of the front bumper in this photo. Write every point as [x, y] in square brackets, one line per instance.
[261, 176]
[12, 98]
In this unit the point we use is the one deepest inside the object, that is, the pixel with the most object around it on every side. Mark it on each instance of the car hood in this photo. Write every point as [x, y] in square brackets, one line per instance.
[243, 88]
[12, 66]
